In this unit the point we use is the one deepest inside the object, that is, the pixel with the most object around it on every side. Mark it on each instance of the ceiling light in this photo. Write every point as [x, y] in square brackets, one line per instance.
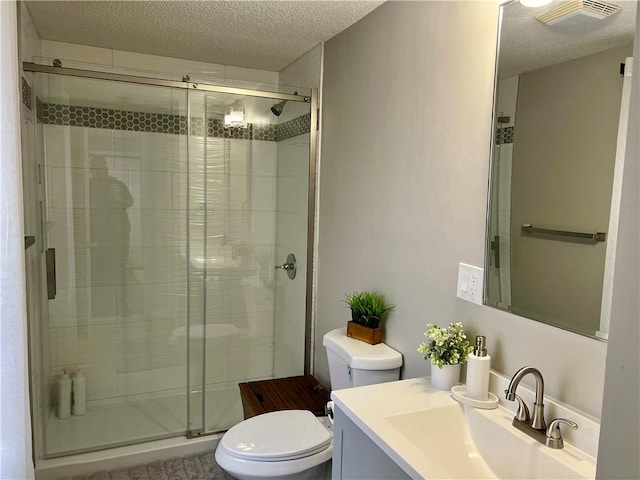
[235, 116]
[535, 3]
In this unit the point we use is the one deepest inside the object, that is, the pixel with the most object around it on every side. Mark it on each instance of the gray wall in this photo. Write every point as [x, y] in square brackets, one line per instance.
[403, 184]
[620, 434]
[562, 176]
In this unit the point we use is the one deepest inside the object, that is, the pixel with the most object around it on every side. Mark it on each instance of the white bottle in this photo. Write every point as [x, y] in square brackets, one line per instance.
[64, 395]
[79, 394]
[478, 365]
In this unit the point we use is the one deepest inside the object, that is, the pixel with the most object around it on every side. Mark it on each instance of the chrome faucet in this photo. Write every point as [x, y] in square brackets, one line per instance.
[537, 420]
[535, 425]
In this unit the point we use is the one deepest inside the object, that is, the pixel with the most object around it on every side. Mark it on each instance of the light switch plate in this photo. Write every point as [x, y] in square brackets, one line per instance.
[470, 283]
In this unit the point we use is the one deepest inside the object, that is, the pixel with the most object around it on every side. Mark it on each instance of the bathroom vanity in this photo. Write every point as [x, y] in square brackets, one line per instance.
[356, 455]
[408, 429]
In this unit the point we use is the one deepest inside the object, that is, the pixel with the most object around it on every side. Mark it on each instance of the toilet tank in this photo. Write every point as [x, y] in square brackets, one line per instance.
[353, 363]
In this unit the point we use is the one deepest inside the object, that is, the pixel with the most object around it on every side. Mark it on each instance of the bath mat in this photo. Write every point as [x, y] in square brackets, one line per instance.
[201, 466]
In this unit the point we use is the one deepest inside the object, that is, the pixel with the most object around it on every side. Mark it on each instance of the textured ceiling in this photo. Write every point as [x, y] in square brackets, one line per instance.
[527, 44]
[269, 35]
[266, 35]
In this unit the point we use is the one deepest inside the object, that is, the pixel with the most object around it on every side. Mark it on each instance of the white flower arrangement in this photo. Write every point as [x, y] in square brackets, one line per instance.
[445, 346]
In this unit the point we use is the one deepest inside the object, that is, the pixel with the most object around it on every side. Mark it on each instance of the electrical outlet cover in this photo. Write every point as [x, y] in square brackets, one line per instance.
[470, 283]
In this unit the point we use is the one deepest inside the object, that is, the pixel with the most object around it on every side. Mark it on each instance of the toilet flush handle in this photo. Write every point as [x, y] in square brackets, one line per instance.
[328, 408]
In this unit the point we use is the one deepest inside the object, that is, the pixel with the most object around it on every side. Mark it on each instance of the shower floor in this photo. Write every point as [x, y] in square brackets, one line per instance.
[127, 421]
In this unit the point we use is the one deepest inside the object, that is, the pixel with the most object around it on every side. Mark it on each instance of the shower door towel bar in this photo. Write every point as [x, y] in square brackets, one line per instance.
[596, 237]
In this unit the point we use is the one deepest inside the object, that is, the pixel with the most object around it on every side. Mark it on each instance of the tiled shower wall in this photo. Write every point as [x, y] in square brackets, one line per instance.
[121, 309]
[127, 328]
[293, 184]
[123, 351]
[507, 99]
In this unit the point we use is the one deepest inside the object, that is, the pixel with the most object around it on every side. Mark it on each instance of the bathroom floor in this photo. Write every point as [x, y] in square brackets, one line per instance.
[127, 421]
[202, 466]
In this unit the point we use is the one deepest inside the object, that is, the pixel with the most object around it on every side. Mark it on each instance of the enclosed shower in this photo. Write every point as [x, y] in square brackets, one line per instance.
[166, 208]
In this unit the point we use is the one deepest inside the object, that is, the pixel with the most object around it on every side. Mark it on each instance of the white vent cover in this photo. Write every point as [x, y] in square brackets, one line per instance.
[577, 12]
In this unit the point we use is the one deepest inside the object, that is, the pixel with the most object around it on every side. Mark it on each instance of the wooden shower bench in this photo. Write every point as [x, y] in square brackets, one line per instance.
[292, 393]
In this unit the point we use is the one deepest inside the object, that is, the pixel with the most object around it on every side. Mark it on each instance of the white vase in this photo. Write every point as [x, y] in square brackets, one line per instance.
[446, 377]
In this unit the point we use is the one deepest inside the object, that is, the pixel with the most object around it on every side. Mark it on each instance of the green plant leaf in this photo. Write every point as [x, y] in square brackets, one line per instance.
[445, 346]
[367, 308]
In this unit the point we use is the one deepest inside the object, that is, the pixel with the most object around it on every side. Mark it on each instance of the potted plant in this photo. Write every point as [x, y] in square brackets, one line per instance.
[367, 312]
[447, 349]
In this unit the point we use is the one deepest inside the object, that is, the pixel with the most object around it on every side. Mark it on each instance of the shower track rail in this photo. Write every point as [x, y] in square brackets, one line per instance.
[158, 82]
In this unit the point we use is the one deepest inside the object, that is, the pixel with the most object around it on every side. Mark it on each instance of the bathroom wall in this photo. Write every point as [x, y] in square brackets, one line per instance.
[33, 190]
[407, 107]
[562, 178]
[17, 266]
[291, 237]
[620, 433]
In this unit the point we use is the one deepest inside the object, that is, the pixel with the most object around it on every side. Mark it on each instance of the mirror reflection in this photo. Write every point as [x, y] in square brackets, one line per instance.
[560, 113]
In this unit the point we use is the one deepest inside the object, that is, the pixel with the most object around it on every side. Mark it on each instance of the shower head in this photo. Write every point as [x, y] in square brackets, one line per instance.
[278, 107]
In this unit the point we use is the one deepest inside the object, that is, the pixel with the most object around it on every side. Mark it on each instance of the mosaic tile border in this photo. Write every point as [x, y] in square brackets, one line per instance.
[39, 114]
[215, 128]
[505, 135]
[27, 94]
[295, 127]
[95, 117]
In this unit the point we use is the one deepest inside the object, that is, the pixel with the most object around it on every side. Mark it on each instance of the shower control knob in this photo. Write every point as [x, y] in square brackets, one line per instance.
[290, 267]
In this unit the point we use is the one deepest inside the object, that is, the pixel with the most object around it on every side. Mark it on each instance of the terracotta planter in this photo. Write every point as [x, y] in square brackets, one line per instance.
[372, 336]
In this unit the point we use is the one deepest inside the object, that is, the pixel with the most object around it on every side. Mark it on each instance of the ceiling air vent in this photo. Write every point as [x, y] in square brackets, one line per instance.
[576, 13]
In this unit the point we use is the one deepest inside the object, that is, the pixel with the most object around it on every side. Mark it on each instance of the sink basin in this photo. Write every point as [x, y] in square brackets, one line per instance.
[463, 442]
[442, 434]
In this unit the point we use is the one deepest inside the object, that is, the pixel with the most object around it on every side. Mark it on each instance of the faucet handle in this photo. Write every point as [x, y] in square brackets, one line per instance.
[554, 434]
[523, 411]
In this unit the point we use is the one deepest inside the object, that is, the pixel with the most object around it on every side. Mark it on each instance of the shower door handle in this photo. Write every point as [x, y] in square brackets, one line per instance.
[495, 246]
[51, 273]
[290, 267]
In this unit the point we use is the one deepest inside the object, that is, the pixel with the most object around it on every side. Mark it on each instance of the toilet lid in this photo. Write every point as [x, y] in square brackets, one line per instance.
[274, 436]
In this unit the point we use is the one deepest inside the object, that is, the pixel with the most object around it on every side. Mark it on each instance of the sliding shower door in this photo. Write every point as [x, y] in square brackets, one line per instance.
[247, 211]
[115, 216]
[162, 227]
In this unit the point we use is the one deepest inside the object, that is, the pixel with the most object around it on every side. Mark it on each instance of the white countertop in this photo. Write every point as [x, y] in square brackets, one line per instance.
[368, 407]
[371, 406]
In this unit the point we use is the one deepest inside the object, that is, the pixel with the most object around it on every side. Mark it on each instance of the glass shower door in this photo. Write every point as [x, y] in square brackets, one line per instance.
[167, 227]
[115, 173]
[237, 217]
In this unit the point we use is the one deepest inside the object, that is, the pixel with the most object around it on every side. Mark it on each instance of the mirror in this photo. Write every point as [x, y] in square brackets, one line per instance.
[560, 110]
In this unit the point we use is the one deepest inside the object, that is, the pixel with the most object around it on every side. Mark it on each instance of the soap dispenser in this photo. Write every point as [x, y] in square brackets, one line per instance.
[478, 364]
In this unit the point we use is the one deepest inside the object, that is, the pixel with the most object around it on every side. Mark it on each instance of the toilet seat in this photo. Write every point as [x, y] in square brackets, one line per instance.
[277, 436]
[249, 455]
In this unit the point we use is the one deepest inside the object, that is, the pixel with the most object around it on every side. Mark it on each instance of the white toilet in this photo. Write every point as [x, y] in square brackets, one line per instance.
[295, 444]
